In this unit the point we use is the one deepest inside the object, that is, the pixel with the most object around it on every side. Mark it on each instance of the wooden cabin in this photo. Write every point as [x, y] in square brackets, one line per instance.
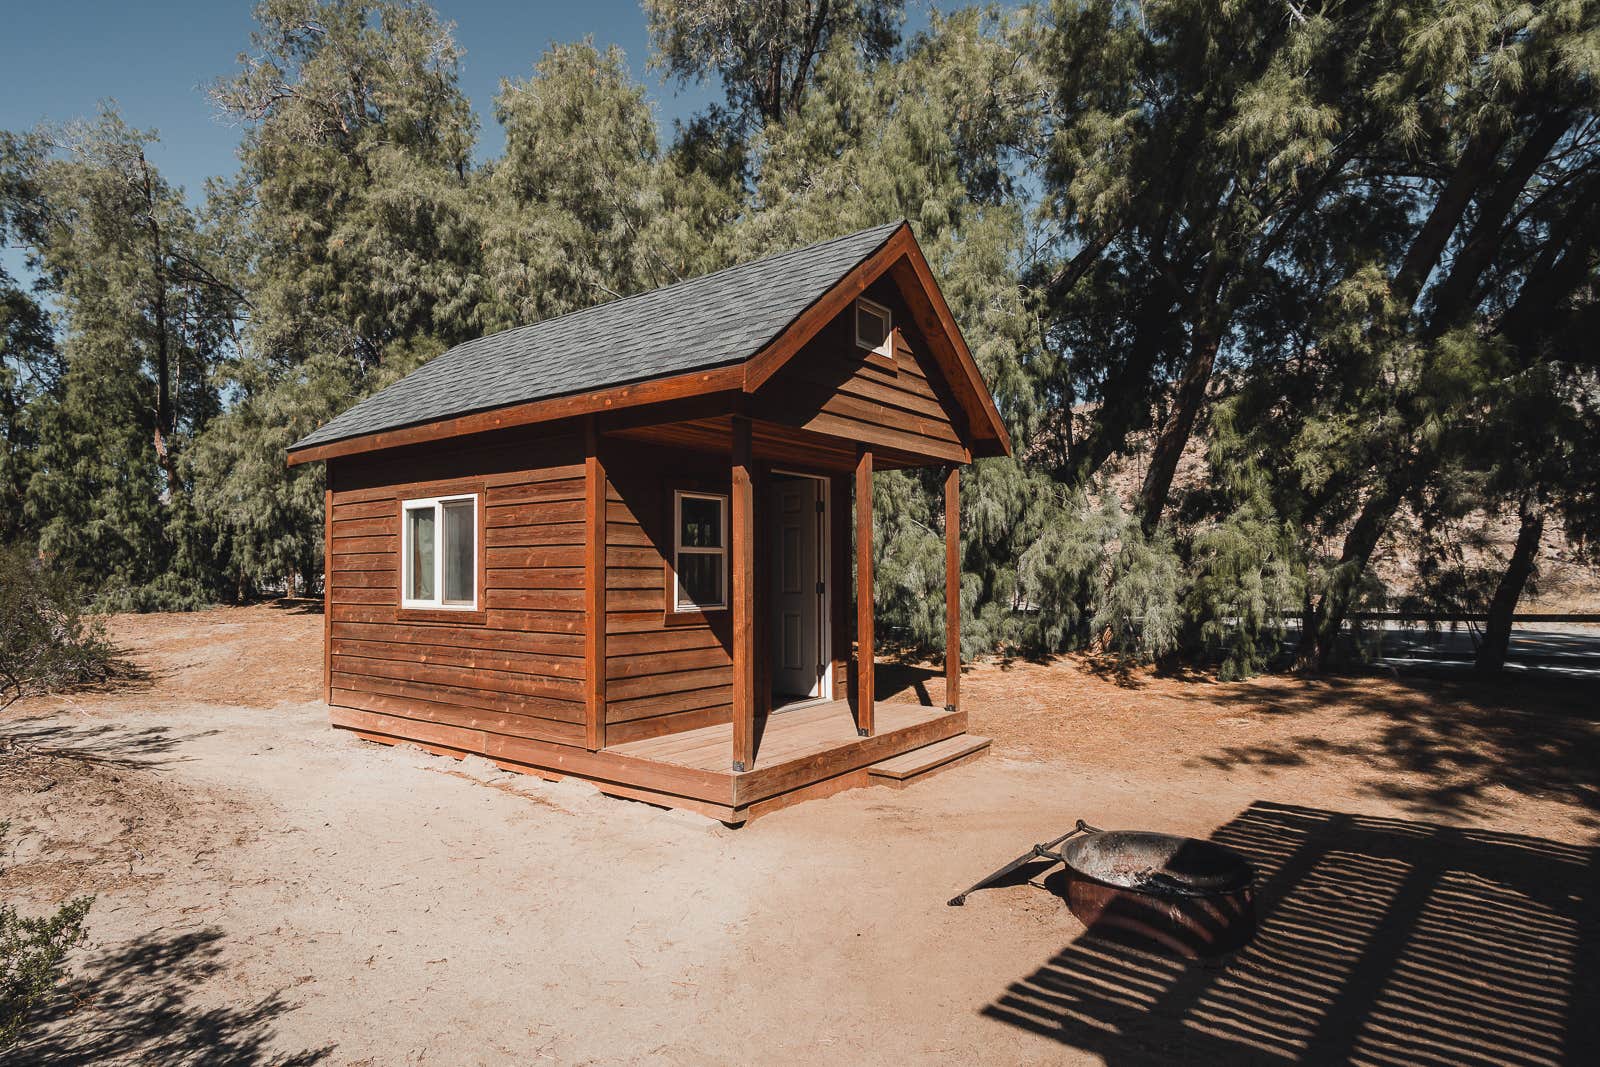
[617, 544]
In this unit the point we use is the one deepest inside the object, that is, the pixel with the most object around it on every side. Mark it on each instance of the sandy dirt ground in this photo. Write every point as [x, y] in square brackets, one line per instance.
[268, 890]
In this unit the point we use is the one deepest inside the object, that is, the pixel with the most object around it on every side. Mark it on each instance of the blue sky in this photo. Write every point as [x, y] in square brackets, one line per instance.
[58, 60]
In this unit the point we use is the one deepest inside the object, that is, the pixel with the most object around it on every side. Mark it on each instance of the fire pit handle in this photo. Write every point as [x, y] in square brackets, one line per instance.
[1043, 851]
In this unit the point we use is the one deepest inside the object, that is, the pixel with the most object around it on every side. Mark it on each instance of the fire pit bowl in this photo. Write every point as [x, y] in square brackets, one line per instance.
[1196, 898]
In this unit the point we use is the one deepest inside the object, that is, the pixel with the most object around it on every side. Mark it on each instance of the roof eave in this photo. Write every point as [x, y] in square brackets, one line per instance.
[726, 378]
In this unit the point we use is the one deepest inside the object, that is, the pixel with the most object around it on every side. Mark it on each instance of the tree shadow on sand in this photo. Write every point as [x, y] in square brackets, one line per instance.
[104, 744]
[1439, 747]
[1381, 941]
[133, 1006]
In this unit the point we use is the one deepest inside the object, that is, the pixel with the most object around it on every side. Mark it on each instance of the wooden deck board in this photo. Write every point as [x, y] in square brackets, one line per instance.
[787, 735]
[920, 761]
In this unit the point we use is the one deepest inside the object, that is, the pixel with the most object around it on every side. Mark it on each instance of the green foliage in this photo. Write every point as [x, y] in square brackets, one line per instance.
[33, 953]
[30, 367]
[1248, 577]
[1063, 571]
[764, 51]
[1139, 615]
[1317, 280]
[143, 318]
[576, 198]
[908, 557]
[355, 156]
[1090, 576]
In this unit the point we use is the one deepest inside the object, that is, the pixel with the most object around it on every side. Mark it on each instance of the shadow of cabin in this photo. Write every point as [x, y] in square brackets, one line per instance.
[672, 669]
[1381, 941]
[891, 679]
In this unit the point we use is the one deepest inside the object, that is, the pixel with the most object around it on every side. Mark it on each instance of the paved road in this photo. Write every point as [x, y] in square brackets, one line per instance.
[1570, 649]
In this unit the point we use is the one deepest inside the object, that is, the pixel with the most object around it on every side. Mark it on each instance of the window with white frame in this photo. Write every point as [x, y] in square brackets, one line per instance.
[439, 553]
[874, 322]
[699, 551]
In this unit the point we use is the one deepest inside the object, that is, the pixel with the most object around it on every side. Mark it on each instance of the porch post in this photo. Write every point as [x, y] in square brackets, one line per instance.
[327, 587]
[952, 588]
[743, 600]
[864, 680]
[594, 588]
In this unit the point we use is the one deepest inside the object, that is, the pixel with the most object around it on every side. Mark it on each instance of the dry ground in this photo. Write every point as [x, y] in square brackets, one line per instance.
[271, 891]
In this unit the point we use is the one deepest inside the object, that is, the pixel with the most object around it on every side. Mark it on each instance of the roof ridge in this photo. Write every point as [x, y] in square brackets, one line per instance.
[576, 312]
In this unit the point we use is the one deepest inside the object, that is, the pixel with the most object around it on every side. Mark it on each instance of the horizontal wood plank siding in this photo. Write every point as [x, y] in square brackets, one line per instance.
[662, 675]
[833, 387]
[513, 668]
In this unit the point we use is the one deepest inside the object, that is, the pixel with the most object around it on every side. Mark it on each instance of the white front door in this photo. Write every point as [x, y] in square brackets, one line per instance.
[796, 529]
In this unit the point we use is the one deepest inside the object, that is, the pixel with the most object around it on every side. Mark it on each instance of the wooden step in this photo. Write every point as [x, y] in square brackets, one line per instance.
[941, 755]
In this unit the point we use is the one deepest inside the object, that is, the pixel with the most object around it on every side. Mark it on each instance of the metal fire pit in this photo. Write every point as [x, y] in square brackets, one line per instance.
[1192, 897]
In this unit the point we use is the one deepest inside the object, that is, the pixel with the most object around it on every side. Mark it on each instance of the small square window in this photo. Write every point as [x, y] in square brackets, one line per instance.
[874, 323]
[439, 553]
[700, 551]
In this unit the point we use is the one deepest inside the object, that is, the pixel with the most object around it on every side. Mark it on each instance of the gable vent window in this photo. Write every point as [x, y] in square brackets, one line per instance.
[873, 325]
[439, 553]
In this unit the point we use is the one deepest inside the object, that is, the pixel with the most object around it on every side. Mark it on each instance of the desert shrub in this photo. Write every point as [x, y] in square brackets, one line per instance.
[1091, 577]
[46, 640]
[166, 592]
[32, 955]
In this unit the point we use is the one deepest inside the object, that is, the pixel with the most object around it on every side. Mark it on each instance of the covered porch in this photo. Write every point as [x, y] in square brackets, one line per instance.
[829, 722]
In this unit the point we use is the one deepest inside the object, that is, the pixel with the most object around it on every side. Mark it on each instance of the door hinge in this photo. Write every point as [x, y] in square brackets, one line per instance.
[819, 589]
[820, 507]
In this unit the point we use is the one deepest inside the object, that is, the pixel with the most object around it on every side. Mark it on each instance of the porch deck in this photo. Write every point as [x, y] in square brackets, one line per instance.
[801, 754]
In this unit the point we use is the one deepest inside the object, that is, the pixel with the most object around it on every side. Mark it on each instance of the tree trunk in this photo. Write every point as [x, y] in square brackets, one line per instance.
[1175, 434]
[1453, 298]
[802, 64]
[1561, 267]
[1477, 159]
[1125, 396]
[1317, 645]
[1474, 167]
[1497, 633]
[165, 415]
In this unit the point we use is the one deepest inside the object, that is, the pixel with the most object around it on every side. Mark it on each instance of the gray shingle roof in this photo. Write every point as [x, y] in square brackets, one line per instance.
[709, 321]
